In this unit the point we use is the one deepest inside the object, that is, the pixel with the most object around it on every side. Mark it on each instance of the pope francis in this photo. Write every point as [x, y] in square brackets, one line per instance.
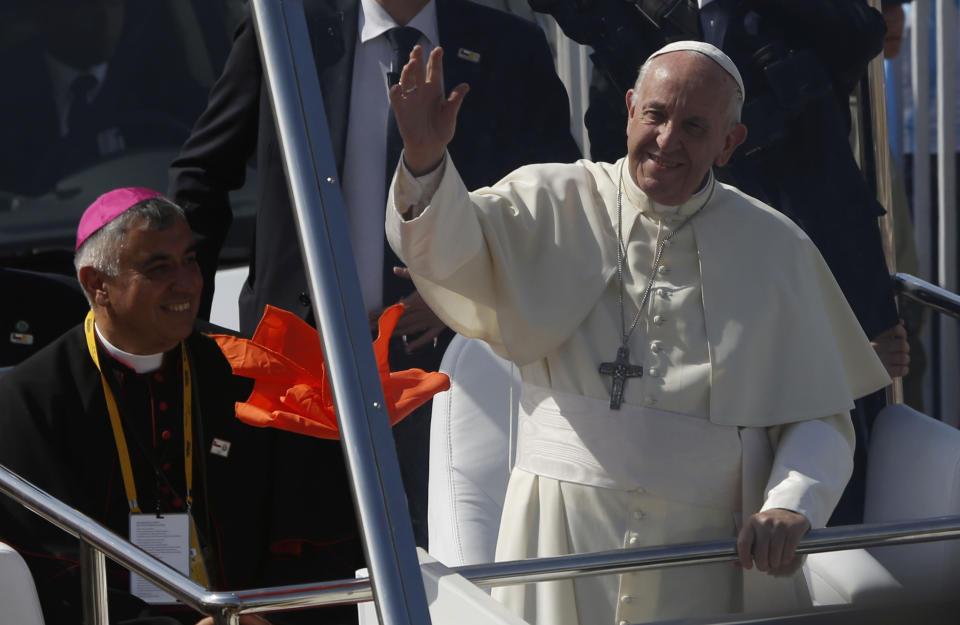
[688, 361]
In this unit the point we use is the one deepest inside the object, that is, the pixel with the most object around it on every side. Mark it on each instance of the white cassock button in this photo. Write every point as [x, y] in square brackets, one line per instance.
[637, 514]
[633, 540]
[626, 598]
[663, 269]
[663, 292]
[623, 623]
[654, 372]
[656, 347]
[668, 242]
[658, 320]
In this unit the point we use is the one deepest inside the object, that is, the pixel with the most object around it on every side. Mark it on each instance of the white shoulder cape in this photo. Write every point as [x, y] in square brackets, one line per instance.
[775, 317]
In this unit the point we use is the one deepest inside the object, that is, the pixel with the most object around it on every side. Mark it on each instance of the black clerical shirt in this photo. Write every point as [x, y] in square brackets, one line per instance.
[56, 434]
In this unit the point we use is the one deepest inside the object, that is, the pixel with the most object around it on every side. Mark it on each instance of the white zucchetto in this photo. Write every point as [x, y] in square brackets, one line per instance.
[712, 52]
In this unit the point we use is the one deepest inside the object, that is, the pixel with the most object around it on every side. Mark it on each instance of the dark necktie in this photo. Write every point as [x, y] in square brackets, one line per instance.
[80, 115]
[402, 39]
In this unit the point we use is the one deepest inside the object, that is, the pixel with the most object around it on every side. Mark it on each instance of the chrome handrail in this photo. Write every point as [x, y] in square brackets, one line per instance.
[291, 75]
[928, 294]
[93, 585]
[226, 606]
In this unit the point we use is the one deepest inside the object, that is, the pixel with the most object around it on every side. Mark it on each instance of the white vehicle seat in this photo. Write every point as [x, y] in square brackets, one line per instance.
[470, 451]
[18, 594]
[913, 472]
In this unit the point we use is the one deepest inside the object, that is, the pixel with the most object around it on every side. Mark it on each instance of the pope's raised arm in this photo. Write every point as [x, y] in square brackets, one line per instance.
[426, 118]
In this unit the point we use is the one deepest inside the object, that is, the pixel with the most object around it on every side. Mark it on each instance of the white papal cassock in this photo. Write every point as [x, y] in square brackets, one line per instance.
[751, 361]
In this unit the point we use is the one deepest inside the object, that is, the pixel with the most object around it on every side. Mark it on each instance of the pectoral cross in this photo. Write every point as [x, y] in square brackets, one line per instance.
[620, 369]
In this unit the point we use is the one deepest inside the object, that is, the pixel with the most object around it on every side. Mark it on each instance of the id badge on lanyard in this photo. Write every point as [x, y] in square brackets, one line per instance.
[167, 538]
[171, 538]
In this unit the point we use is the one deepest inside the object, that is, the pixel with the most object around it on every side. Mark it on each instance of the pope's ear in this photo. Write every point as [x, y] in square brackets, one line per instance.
[631, 99]
[93, 283]
[736, 136]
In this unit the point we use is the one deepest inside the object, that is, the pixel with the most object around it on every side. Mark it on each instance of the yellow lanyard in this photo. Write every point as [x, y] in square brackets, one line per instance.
[126, 469]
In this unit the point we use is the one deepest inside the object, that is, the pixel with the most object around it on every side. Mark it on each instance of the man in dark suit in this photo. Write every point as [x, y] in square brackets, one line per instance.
[85, 88]
[516, 113]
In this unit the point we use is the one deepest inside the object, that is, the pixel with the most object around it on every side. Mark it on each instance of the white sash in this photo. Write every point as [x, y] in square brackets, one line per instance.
[677, 457]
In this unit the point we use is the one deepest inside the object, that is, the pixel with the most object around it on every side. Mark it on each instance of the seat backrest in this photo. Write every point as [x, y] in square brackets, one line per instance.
[470, 453]
[19, 604]
[913, 472]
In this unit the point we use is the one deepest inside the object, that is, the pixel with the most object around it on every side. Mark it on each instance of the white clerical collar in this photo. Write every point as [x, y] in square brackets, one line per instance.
[374, 21]
[138, 362]
[640, 199]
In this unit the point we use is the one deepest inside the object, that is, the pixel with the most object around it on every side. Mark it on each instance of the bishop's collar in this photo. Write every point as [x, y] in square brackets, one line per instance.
[141, 363]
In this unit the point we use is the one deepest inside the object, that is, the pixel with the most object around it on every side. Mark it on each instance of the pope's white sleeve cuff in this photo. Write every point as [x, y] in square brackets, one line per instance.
[412, 194]
[812, 463]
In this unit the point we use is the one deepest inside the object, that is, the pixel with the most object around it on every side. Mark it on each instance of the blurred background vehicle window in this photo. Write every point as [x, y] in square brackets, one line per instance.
[100, 94]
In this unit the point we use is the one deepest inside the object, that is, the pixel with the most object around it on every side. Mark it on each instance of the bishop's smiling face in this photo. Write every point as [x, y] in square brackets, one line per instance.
[152, 302]
[680, 124]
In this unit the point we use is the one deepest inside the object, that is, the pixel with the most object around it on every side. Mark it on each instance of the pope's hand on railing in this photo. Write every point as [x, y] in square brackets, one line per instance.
[769, 539]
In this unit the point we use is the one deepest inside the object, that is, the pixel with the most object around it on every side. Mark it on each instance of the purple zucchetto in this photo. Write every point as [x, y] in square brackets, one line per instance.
[108, 207]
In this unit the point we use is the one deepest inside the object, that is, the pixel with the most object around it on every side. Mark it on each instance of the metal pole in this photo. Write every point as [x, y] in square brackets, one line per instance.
[947, 221]
[291, 74]
[920, 91]
[629, 560]
[876, 79]
[881, 150]
[93, 585]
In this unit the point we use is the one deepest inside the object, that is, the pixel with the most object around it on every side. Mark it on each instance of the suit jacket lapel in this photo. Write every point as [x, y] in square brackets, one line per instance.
[453, 37]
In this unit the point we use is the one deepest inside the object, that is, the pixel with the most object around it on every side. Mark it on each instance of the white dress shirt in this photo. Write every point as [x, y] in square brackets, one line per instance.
[364, 167]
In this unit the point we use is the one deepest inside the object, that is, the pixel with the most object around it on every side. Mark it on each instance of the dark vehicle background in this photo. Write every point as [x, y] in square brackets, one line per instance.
[153, 62]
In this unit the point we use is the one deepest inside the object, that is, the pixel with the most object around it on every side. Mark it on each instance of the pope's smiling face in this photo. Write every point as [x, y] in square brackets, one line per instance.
[680, 124]
[152, 302]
